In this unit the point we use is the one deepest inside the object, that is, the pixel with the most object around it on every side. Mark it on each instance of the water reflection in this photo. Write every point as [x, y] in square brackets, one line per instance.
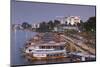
[18, 39]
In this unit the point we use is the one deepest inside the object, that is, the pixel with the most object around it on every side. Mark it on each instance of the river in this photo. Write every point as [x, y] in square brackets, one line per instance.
[18, 39]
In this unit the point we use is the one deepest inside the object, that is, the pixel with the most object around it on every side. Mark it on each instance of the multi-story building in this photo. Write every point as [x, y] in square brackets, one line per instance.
[68, 23]
[73, 20]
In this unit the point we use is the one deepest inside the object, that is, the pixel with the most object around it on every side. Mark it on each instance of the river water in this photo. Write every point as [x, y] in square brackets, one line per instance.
[18, 39]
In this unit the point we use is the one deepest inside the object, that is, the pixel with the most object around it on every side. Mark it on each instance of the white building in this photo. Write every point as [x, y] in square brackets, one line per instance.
[70, 28]
[70, 20]
[62, 28]
[73, 20]
[35, 25]
[38, 26]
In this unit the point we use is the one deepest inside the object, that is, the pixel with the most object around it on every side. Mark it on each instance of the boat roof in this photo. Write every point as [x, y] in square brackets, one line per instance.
[53, 43]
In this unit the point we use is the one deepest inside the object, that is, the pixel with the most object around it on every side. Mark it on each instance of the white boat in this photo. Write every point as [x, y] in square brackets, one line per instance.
[46, 48]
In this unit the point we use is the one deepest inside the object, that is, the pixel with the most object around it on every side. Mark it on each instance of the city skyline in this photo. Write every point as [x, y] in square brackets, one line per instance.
[36, 12]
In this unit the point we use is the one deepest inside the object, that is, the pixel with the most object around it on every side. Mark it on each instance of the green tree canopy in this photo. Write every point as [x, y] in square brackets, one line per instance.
[90, 24]
[25, 25]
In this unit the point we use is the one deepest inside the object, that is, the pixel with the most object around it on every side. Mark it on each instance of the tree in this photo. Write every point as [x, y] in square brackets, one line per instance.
[90, 25]
[56, 22]
[25, 25]
[43, 27]
[81, 25]
[51, 25]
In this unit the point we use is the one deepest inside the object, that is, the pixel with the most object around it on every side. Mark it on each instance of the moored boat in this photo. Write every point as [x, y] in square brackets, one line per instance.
[45, 47]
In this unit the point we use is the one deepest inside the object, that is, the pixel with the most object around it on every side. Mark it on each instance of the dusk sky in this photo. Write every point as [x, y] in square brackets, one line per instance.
[34, 12]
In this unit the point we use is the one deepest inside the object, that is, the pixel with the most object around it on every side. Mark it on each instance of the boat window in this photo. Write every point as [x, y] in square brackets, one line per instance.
[47, 54]
[30, 50]
[42, 47]
[29, 43]
[48, 47]
[55, 55]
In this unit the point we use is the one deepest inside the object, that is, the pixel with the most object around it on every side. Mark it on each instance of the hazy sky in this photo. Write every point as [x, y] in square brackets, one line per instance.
[33, 12]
